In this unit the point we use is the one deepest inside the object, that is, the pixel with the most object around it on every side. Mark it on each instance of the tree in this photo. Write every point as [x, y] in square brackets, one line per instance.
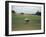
[13, 11]
[22, 13]
[38, 13]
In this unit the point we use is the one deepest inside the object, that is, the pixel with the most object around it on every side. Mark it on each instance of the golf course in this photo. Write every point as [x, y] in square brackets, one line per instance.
[19, 24]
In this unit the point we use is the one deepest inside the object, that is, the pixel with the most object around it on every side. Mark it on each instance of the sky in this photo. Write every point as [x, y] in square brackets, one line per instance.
[26, 9]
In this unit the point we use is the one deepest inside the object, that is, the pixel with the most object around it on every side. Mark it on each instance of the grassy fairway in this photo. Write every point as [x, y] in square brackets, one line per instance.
[18, 22]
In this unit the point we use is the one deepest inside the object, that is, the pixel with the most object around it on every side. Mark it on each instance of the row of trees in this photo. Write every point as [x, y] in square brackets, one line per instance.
[37, 13]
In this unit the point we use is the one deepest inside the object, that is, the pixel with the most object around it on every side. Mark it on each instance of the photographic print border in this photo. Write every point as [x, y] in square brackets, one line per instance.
[7, 17]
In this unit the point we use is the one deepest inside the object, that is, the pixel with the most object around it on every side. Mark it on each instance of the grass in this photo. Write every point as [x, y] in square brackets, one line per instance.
[18, 22]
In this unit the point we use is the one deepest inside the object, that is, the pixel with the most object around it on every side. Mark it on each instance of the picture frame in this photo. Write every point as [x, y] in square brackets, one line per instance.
[8, 17]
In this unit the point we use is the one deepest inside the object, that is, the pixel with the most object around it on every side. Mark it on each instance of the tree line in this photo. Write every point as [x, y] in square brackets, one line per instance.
[37, 13]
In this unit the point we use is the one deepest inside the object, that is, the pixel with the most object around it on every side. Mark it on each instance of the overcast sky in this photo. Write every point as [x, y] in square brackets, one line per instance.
[26, 9]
